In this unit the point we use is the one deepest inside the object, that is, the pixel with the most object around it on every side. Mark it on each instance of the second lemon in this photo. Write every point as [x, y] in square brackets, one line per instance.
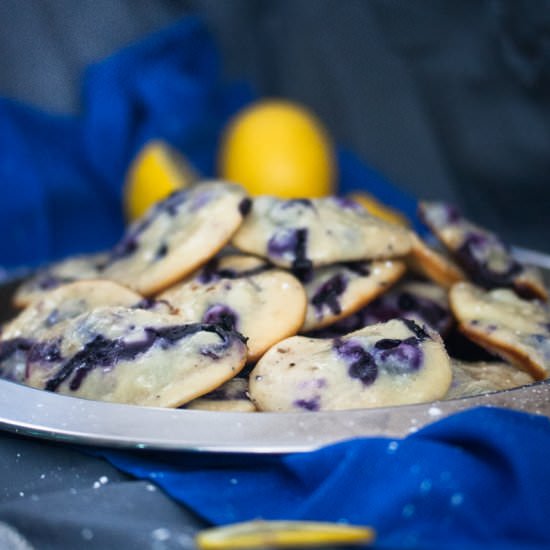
[278, 148]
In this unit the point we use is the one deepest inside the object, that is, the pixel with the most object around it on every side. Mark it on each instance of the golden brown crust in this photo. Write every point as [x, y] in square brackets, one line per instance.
[508, 352]
[433, 265]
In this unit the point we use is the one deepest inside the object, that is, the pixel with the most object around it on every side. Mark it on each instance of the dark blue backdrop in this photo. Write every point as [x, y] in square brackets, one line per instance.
[62, 176]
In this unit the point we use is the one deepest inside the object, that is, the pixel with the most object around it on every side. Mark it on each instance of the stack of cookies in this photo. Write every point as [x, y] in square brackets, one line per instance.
[216, 301]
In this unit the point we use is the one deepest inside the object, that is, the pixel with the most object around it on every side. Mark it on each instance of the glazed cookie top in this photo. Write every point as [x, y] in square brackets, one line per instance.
[305, 233]
[138, 357]
[485, 258]
[339, 290]
[66, 302]
[176, 236]
[66, 271]
[482, 377]
[394, 363]
[266, 305]
[501, 322]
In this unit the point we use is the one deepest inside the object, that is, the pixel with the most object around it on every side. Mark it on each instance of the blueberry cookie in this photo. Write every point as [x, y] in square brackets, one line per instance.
[137, 357]
[432, 264]
[395, 363]
[66, 271]
[304, 233]
[339, 290]
[421, 301]
[483, 256]
[482, 377]
[499, 321]
[176, 236]
[264, 304]
[66, 302]
[229, 397]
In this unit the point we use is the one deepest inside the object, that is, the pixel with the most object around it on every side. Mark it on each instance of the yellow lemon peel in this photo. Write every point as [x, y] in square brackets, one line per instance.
[282, 534]
[156, 171]
[278, 148]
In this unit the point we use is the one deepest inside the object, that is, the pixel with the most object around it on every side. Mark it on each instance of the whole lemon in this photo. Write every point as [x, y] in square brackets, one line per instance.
[278, 148]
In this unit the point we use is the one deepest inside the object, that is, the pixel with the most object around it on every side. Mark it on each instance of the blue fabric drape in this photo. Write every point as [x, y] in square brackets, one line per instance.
[61, 176]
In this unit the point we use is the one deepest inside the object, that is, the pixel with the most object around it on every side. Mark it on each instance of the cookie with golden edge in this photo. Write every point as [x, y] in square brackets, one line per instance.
[176, 236]
[393, 363]
[502, 323]
[229, 397]
[486, 260]
[264, 304]
[433, 265]
[484, 377]
[422, 301]
[43, 315]
[301, 234]
[339, 290]
[135, 356]
[76, 268]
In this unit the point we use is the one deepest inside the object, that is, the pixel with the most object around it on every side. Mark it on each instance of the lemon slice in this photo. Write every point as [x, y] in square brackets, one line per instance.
[281, 534]
[378, 209]
[157, 171]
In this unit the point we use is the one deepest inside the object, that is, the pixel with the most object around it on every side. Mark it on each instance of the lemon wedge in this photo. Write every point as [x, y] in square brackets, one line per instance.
[281, 534]
[157, 171]
[378, 209]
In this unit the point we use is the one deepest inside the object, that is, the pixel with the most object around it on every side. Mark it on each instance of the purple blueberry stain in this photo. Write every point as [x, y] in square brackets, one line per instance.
[222, 315]
[361, 268]
[328, 294]
[347, 204]
[161, 251]
[416, 329]
[49, 281]
[106, 353]
[291, 244]
[245, 206]
[201, 199]
[284, 243]
[313, 404]
[211, 272]
[487, 260]
[402, 357]
[360, 362]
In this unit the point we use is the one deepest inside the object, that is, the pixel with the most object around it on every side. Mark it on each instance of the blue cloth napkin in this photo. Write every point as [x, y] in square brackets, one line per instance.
[62, 176]
[478, 479]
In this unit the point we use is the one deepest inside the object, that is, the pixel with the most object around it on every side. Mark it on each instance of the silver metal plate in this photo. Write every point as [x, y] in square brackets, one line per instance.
[56, 417]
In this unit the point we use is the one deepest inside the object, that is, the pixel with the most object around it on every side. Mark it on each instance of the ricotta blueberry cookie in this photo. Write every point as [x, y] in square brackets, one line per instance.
[394, 363]
[176, 236]
[433, 264]
[242, 292]
[137, 357]
[304, 233]
[66, 302]
[339, 290]
[482, 377]
[483, 256]
[418, 300]
[502, 323]
[65, 271]
[229, 397]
